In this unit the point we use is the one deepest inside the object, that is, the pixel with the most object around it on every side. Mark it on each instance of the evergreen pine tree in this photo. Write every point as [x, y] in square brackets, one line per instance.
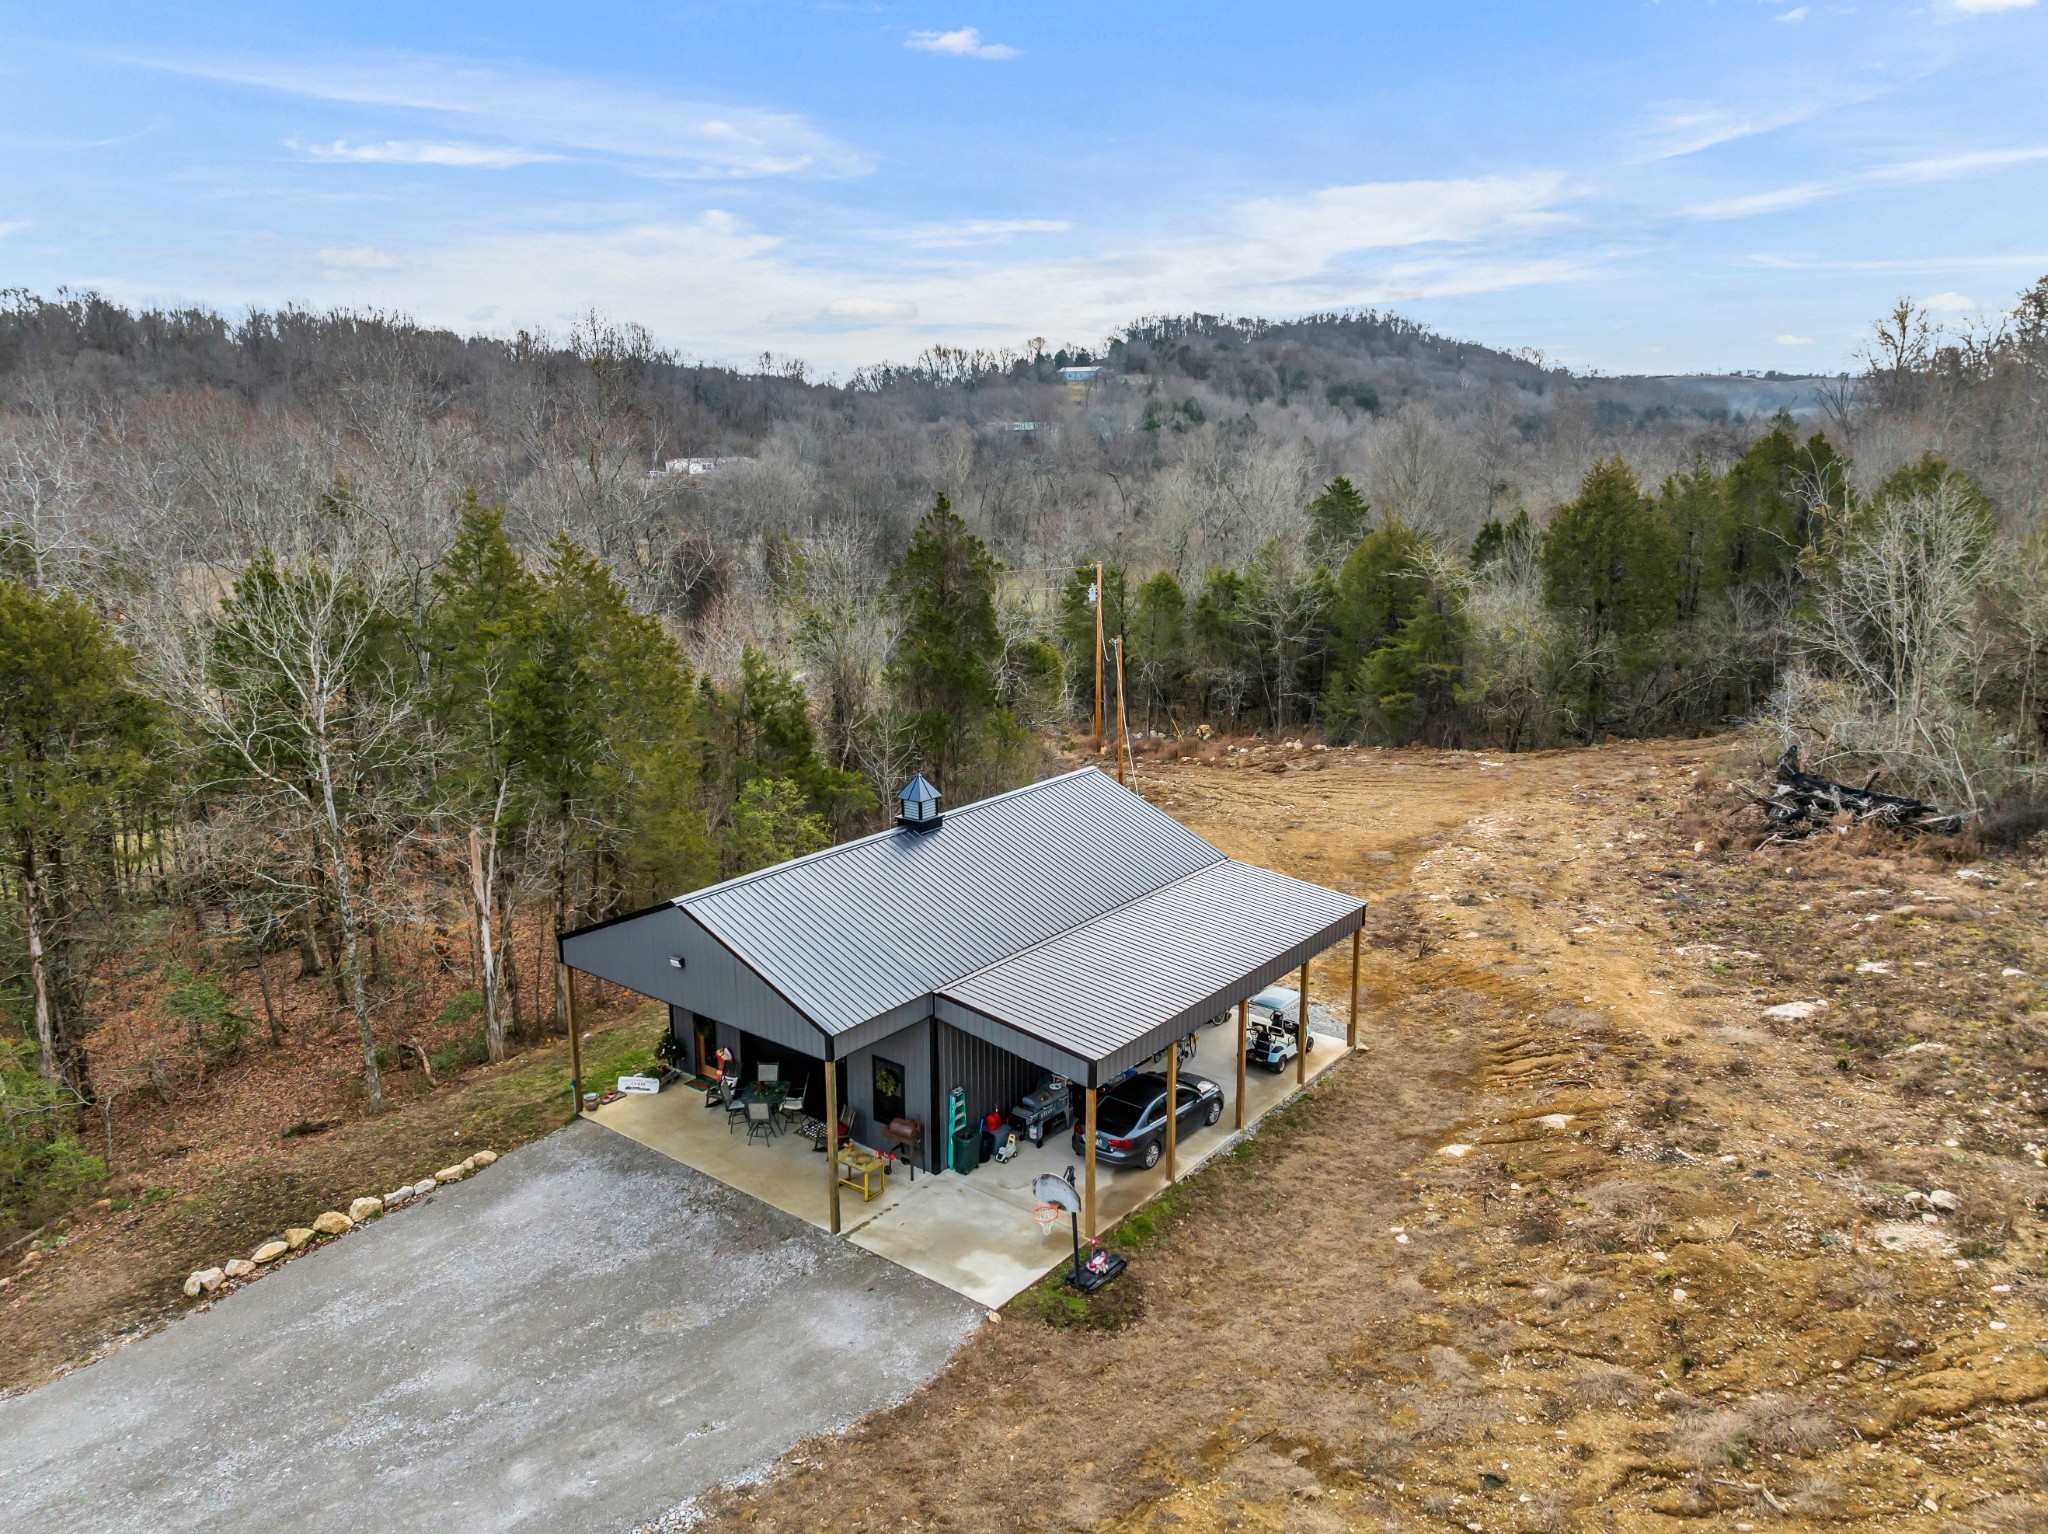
[943, 670]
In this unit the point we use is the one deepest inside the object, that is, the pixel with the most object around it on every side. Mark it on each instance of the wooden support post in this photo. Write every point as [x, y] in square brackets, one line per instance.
[1351, 1032]
[832, 1145]
[1301, 1032]
[1088, 1182]
[1242, 1008]
[1172, 1109]
[1100, 595]
[575, 1036]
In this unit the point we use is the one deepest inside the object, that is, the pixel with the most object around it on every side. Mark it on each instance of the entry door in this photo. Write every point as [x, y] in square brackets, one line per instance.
[706, 1033]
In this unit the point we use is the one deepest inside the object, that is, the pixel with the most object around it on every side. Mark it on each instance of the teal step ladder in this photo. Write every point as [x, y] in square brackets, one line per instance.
[956, 1122]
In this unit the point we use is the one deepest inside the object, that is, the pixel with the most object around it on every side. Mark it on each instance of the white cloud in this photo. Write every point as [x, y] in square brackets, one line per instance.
[13, 227]
[415, 152]
[1797, 13]
[868, 311]
[964, 43]
[1904, 173]
[1948, 303]
[637, 128]
[1318, 227]
[1986, 7]
[1688, 130]
[343, 260]
[969, 231]
[1793, 340]
[724, 288]
[2017, 265]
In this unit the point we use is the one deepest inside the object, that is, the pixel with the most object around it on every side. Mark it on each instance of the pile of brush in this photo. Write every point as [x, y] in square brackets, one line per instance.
[1799, 804]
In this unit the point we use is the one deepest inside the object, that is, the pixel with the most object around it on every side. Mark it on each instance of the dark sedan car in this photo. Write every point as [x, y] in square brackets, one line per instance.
[1130, 1118]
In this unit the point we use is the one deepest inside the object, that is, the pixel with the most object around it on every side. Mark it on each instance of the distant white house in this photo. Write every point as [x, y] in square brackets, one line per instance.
[1094, 373]
[693, 468]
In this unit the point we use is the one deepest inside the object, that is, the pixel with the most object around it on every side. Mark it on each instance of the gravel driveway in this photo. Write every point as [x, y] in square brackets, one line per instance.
[582, 1336]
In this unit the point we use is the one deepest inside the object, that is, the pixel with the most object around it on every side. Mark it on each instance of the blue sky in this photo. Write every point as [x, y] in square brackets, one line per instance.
[1631, 187]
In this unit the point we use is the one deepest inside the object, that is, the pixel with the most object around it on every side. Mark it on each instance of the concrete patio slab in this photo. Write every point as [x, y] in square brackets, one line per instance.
[972, 1232]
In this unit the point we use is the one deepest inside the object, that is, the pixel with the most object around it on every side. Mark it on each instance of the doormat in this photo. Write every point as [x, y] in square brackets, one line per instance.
[701, 1083]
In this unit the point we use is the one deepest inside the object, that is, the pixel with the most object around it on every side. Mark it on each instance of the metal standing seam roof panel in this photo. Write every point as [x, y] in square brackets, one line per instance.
[854, 931]
[1160, 961]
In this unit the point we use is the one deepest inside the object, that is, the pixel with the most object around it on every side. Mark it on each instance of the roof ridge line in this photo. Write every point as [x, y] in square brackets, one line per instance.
[823, 853]
[1088, 921]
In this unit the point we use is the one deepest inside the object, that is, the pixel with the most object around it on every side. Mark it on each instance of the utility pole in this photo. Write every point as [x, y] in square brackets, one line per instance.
[1122, 740]
[1098, 654]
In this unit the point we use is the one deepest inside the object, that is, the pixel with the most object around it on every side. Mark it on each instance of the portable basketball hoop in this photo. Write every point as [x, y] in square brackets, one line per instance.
[1060, 1198]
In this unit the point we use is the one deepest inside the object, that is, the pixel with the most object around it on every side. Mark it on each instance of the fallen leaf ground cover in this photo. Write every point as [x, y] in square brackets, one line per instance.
[115, 1271]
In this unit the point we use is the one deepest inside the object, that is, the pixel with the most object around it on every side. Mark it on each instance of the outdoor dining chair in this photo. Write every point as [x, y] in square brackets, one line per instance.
[760, 1121]
[792, 1106]
[735, 1106]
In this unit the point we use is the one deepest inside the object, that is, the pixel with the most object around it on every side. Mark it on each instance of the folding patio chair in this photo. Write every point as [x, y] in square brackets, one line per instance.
[760, 1122]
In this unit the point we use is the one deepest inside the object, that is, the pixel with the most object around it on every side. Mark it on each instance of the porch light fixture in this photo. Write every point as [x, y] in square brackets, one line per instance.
[675, 961]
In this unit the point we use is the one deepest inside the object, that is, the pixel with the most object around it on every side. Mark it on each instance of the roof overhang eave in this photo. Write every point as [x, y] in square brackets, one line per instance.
[1097, 1070]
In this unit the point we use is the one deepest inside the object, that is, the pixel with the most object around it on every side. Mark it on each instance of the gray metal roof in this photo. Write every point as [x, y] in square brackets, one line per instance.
[1070, 922]
[1115, 989]
[858, 930]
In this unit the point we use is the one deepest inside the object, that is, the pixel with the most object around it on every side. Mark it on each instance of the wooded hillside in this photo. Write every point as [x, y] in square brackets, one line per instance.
[345, 659]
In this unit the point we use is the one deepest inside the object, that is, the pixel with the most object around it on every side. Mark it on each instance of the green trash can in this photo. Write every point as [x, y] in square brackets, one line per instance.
[967, 1149]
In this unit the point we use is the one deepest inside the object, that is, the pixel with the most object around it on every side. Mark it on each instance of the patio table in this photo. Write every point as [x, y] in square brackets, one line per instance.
[861, 1171]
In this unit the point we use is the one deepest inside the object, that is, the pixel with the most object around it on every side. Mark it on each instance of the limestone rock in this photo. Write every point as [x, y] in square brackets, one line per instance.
[451, 1174]
[1795, 1011]
[239, 1267]
[484, 1157]
[333, 1223]
[205, 1281]
[468, 1165]
[297, 1237]
[1455, 1152]
[365, 1209]
[423, 1187]
[1944, 1200]
[269, 1251]
[398, 1196]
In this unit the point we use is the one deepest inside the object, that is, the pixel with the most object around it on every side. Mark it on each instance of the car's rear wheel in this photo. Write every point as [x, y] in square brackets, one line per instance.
[1151, 1155]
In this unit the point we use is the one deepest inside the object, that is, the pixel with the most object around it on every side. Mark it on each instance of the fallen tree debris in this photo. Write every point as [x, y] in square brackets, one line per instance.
[1800, 803]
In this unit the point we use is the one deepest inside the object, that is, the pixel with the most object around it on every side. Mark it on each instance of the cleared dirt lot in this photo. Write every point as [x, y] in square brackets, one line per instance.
[1684, 1273]
[581, 1336]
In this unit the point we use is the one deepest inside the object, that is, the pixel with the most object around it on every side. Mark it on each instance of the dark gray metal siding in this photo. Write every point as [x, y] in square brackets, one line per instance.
[713, 980]
[994, 1078]
[862, 929]
[910, 1048]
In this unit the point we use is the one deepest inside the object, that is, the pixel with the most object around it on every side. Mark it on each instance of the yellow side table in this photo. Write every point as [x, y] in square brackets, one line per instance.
[860, 1171]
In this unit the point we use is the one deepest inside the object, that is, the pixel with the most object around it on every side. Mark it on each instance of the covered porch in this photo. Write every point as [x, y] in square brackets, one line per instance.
[971, 1232]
